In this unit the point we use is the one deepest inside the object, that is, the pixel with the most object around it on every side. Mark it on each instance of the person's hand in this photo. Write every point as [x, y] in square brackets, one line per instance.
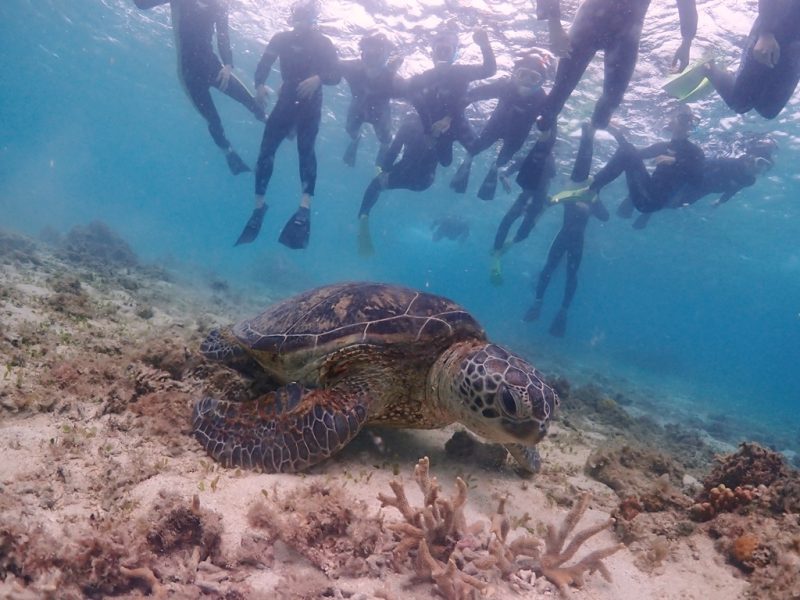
[441, 126]
[681, 59]
[224, 77]
[262, 93]
[560, 44]
[308, 87]
[480, 37]
[767, 51]
[664, 159]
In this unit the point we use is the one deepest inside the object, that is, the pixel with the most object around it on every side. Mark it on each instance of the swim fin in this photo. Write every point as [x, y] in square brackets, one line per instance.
[533, 311]
[559, 325]
[297, 230]
[365, 247]
[460, 180]
[703, 89]
[584, 193]
[641, 221]
[253, 226]
[682, 84]
[489, 186]
[349, 157]
[625, 208]
[496, 275]
[235, 163]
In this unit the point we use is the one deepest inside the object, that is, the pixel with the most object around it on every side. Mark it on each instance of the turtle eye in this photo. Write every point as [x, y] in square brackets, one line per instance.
[508, 401]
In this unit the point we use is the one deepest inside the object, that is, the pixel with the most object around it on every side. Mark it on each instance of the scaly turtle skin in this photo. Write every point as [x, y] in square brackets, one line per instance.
[353, 354]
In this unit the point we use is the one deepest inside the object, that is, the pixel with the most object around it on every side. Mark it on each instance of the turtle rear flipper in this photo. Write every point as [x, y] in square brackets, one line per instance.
[284, 431]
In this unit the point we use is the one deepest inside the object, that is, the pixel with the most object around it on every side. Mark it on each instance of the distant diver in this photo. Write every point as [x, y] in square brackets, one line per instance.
[439, 94]
[614, 26]
[520, 99]
[194, 23]
[568, 241]
[770, 66]
[416, 171]
[307, 60]
[450, 227]
[722, 175]
[371, 79]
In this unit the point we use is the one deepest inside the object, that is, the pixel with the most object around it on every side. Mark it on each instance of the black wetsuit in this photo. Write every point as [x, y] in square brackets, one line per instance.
[757, 86]
[194, 23]
[615, 27]
[725, 176]
[416, 169]
[371, 99]
[511, 120]
[441, 92]
[648, 192]
[302, 54]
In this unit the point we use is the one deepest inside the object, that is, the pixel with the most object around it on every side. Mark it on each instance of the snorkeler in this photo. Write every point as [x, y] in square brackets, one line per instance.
[569, 240]
[615, 27]
[416, 171]
[371, 79]
[679, 163]
[194, 23]
[451, 227]
[308, 59]
[770, 66]
[536, 171]
[725, 176]
[439, 94]
[519, 100]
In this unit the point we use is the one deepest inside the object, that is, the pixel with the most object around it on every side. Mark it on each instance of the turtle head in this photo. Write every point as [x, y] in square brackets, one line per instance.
[497, 394]
[221, 345]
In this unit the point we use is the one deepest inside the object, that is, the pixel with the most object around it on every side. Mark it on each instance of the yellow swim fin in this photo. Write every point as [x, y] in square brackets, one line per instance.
[682, 84]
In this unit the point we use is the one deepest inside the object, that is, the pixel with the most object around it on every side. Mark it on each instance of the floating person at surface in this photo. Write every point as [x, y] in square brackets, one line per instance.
[371, 79]
[770, 67]
[307, 61]
[520, 98]
[451, 227]
[439, 94]
[722, 175]
[194, 23]
[416, 171]
[679, 164]
[536, 170]
[568, 241]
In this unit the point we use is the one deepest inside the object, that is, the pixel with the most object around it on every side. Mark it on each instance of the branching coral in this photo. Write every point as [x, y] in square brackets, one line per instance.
[448, 551]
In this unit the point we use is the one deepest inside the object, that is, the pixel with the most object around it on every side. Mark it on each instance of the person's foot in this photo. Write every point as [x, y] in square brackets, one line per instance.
[365, 247]
[641, 221]
[460, 180]
[253, 226]
[235, 163]
[559, 325]
[297, 230]
[625, 208]
[489, 185]
[599, 211]
[349, 157]
[534, 311]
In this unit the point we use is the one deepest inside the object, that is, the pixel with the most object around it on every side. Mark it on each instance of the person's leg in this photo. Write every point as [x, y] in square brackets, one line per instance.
[536, 164]
[568, 74]
[618, 65]
[583, 160]
[239, 92]
[279, 123]
[782, 82]
[577, 216]
[463, 132]
[353, 128]
[554, 255]
[533, 210]
[514, 213]
[383, 131]
[740, 92]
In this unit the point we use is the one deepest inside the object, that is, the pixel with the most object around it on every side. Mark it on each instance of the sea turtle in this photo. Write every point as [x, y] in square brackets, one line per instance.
[353, 354]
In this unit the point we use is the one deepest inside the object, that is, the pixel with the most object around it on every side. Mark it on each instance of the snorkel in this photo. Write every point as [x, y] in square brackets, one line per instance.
[444, 48]
[304, 15]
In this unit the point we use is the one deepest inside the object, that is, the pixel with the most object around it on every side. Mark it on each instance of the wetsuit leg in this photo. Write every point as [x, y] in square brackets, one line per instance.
[371, 195]
[554, 255]
[583, 161]
[197, 81]
[382, 126]
[627, 160]
[355, 118]
[490, 133]
[536, 165]
[532, 211]
[577, 215]
[239, 92]
[307, 129]
[618, 65]
[514, 213]
[783, 81]
[741, 91]
[279, 124]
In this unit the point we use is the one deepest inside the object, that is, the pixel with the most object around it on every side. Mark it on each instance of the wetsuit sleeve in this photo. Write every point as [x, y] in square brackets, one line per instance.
[548, 10]
[487, 91]
[769, 16]
[223, 36]
[687, 10]
[330, 74]
[268, 59]
[655, 150]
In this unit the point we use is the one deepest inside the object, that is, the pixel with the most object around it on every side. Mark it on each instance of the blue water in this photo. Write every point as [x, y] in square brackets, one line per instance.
[703, 306]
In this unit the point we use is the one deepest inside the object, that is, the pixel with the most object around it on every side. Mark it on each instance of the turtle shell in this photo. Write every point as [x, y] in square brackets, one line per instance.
[325, 319]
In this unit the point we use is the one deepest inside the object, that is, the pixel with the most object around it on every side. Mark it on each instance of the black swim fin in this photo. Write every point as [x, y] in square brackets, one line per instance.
[349, 157]
[235, 163]
[559, 325]
[533, 311]
[625, 208]
[489, 186]
[460, 180]
[253, 226]
[297, 230]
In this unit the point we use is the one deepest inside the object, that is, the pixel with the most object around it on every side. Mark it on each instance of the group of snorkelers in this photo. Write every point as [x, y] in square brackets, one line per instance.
[768, 74]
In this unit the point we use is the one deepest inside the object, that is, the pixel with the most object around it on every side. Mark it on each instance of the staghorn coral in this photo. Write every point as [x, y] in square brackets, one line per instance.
[462, 563]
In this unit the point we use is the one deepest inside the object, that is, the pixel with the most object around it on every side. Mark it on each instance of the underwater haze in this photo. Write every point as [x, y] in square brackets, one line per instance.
[701, 309]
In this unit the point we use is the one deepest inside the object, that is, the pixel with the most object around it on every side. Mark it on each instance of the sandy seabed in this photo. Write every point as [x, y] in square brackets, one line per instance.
[104, 492]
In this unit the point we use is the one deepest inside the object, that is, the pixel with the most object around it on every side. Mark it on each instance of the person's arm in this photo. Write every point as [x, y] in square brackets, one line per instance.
[769, 16]
[330, 73]
[271, 53]
[145, 4]
[687, 10]
[766, 49]
[223, 36]
[486, 91]
[489, 66]
[657, 149]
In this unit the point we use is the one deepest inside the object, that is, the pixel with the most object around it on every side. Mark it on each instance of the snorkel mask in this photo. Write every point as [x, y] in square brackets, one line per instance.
[445, 47]
[304, 14]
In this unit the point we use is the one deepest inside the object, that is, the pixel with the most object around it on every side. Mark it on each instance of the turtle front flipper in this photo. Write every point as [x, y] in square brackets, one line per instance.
[284, 431]
[528, 460]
